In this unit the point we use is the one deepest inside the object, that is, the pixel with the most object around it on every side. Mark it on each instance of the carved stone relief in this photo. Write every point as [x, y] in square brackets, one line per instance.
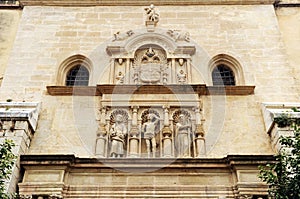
[150, 66]
[150, 132]
[178, 35]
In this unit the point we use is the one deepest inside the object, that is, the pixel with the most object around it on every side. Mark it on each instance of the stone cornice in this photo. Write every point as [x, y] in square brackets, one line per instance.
[24, 111]
[140, 2]
[77, 162]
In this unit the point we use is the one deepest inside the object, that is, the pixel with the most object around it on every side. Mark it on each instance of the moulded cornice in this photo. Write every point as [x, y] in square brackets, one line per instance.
[140, 2]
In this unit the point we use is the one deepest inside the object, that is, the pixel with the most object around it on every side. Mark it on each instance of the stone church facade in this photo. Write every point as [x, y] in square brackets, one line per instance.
[123, 99]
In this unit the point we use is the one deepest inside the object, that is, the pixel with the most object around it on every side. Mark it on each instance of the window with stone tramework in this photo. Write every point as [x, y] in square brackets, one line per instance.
[223, 75]
[77, 76]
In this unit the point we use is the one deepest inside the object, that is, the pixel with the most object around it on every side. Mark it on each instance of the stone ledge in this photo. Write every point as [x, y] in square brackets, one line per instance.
[23, 111]
[200, 89]
[140, 2]
[59, 159]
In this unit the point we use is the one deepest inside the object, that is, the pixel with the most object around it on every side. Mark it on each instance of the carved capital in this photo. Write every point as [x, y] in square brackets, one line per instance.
[199, 132]
[101, 132]
[166, 131]
[134, 131]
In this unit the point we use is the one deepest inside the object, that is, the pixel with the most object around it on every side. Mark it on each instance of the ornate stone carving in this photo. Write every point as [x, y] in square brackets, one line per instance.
[55, 196]
[179, 36]
[181, 77]
[120, 78]
[118, 36]
[150, 66]
[25, 196]
[152, 15]
[118, 133]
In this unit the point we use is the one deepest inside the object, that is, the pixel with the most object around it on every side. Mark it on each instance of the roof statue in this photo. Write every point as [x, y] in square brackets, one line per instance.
[152, 17]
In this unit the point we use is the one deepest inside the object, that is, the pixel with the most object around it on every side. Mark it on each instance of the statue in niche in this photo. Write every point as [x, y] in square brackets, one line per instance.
[149, 129]
[152, 15]
[181, 77]
[179, 36]
[182, 135]
[117, 135]
[119, 36]
[120, 78]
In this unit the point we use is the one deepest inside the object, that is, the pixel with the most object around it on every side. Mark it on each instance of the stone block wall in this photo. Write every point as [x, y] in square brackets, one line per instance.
[49, 35]
[9, 21]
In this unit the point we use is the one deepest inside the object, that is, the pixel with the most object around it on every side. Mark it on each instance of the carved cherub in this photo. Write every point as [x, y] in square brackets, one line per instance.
[152, 15]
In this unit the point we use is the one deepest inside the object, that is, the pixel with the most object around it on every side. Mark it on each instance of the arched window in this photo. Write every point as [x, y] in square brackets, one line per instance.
[225, 70]
[77, 76]
[76, 70]
[223, 75]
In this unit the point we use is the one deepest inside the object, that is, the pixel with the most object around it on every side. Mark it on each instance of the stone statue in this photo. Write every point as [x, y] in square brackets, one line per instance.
[182, 133]
[117, 135]
[152, 15]
[181, 76]
[150, 130]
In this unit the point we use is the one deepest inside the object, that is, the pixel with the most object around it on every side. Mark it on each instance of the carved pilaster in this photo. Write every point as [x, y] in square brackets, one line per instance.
[167, 134]
[200, 141]
[134, 133]
[101, 140]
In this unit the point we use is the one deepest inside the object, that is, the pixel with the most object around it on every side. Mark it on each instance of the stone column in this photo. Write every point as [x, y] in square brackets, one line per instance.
[134, 133]
[101, 141]
[199, 135]
[167, 134]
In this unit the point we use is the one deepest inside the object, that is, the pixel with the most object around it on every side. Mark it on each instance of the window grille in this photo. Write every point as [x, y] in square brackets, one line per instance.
[77, 76]
[223, 75]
